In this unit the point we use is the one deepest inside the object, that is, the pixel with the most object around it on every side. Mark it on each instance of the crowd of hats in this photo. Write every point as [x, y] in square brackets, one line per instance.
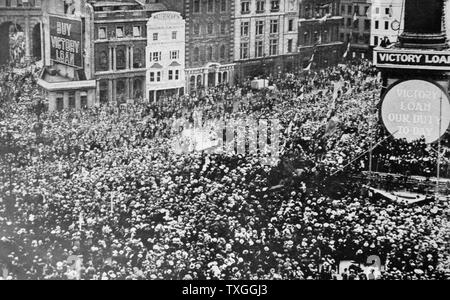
[104, 185]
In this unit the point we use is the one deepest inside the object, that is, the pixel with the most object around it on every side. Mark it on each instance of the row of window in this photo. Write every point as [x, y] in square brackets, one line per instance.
[210, 7]
[360, 10]
[136, 32]
[210, 28]
[120, 32]
[260, 6]
[209, 54]
[259, 48]
[386, 25]
[171, 75]
[157, 56]
[350, 22]
[20, 3]
[260, 24]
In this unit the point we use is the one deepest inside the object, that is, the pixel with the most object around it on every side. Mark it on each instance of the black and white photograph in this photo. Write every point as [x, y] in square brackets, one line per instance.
[214, 142]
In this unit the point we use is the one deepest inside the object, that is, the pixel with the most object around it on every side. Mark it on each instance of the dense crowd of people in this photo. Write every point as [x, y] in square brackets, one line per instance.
[101, 194]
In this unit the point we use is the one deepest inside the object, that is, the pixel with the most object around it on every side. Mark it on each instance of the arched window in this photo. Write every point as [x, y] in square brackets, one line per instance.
[103, 60]
[196, 54]
[222, 52]
[120, 91]
[192, 83]
[209, 53]
[120, 59]
[137, 87]
[199, 81]
[225, 77]
[138, 61]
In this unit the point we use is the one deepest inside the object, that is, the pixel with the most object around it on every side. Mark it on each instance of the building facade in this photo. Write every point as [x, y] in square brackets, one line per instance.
[165, 58]
[356, 26]
[266, 36]
[209, 40]
[387, 21]
[24, 16]
[112, 41]
[319, 25]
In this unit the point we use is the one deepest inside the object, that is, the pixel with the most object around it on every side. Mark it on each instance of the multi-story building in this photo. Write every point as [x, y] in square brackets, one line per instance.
[24, 16]
[357, 26]
[165, 55]
[266, 36]
[209, 40]
[387, 21]
[102, 59]
[319, 32]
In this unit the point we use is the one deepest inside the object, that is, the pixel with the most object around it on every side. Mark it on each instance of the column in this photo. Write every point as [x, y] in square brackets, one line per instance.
[77, 100]
[127, 58]
[27, 38]
[127, 86]
[217, 78]
[66, 100]
[131, 57]
[131, 89]
[114, 58]
[110, 90]
[97, 91]
[42, 44]
[114, 89]
[205, 78]
[110, 59]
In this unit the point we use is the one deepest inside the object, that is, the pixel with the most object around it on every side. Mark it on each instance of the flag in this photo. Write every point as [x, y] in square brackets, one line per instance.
[347, 50]
[355, 17]
[311, 61]
[323, 19]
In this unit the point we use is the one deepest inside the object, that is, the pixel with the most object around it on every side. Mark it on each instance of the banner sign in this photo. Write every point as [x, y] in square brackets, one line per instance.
[437, 60]
[66, 41]
[415, 109]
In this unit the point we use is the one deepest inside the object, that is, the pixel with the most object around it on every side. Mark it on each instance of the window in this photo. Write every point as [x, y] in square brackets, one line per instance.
[356, 24]
[223, 5]
[387, 11]
[102, 33]
[291, 25]
[177, 74]
[103, 61]
[289, 46]
[210, 6]
[273, 47]
[245, 7]
[259, 27]
[156, 56]
[152, 76]
[209, 53]
[210, 28]
[259, 49]
[138, 58]
[366, 24]
[244, 50]
[275, 5]
[377, 24]
[244, 28]
[260, 6]
[158, 76]
[170, 75]
[174, 54]
[386, 25]
[120, 59]
[377, 10]
[375, 40]
[196, 29]
[223, 28]
[174, 35]
[119, 31]
[196, 55]
[136, 31]
[273, 26]
[349, 9]
[155, 36]
[72, 104]
[196, 7]
[222, 52]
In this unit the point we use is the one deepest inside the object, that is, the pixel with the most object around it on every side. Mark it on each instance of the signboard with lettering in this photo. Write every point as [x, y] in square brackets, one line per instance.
[415, 109]
[66, 41]
[412, 59]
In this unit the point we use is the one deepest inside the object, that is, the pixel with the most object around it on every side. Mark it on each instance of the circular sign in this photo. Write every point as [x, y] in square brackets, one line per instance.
[414, 109]
[395, 25]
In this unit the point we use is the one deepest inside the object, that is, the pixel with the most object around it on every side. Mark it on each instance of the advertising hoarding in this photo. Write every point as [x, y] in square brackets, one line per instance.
[415, 109]
[66, 41]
